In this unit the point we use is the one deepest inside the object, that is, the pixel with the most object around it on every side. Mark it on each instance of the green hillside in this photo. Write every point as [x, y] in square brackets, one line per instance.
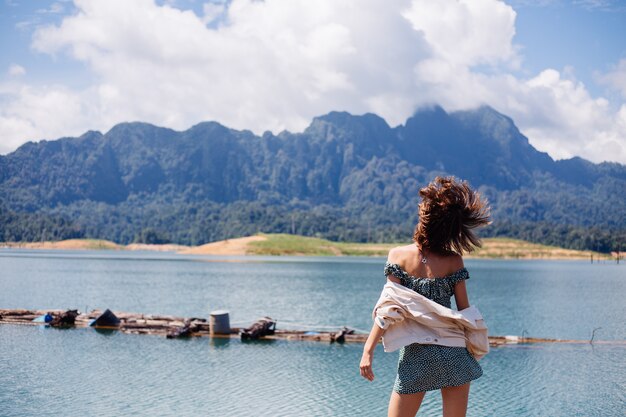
[344, 178]
[285, 244]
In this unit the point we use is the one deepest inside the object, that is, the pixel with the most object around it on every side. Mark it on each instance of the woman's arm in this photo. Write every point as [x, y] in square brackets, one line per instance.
[460, 296]
[376, 333]
[460, 292]
[368, 352]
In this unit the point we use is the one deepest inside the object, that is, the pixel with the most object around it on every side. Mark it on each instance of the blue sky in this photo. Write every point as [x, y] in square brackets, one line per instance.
[589, 39]
[558, 68]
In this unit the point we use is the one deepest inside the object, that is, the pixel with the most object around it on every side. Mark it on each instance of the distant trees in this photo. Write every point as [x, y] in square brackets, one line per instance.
[347, 178]
[151, 236]
[567, 236]
[197, 223]
[35, 227]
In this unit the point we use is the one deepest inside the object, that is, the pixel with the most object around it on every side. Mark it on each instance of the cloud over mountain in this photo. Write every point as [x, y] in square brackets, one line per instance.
[273, 65]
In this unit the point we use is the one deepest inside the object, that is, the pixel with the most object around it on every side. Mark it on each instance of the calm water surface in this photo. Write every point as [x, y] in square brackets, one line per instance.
[53, 372]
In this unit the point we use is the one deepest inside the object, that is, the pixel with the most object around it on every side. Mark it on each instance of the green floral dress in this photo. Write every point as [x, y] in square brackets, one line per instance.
[431, 367]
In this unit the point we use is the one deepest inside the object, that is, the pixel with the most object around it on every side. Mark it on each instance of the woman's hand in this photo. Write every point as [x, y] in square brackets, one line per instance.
[368, 352]
[366, 365]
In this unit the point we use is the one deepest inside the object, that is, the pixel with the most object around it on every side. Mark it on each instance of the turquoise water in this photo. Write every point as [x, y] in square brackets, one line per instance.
[53, 372]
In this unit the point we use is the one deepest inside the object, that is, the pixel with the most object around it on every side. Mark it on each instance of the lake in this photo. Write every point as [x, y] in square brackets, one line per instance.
[46, 371]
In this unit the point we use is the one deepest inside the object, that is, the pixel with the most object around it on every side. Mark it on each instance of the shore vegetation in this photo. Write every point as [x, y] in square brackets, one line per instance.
[283, 244]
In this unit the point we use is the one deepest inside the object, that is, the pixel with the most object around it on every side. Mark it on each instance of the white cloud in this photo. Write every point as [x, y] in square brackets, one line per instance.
[275, 64]
[28, 24]
[54, 8]
[566, 121]
[590, 5]
[462, 32]
[212, 12]
[43, 113]
[16, 70]
[606, 5]
[616, 78]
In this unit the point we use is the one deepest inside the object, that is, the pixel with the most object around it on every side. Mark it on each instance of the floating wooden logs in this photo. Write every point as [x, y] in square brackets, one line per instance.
[174, 327]
[186, 330]
[263, 327]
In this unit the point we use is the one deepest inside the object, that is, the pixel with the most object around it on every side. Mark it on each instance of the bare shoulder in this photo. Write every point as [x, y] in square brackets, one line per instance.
[456, 261]
[399, 253]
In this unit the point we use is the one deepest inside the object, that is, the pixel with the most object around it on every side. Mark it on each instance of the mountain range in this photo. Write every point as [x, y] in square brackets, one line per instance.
[345, 177]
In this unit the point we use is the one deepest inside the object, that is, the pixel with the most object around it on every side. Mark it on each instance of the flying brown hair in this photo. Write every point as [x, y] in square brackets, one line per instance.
[448, 213]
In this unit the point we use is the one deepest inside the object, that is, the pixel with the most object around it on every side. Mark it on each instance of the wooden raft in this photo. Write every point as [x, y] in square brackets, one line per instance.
[173, 326]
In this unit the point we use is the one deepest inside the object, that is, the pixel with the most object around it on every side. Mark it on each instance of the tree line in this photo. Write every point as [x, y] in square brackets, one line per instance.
[195, 224]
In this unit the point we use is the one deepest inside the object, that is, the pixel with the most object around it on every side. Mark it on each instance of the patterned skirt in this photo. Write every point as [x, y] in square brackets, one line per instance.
[431, 367]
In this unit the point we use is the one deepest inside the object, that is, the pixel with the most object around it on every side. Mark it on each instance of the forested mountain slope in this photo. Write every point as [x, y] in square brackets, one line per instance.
[345, 177]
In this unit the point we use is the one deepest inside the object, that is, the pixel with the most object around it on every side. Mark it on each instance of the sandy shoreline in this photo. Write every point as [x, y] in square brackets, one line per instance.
[237, 246]
[91, 244]
[288, 245]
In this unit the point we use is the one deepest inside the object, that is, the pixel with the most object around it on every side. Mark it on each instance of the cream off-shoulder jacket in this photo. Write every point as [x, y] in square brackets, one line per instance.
[409, 317]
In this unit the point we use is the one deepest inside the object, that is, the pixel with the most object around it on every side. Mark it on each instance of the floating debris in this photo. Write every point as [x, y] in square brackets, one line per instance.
[187, 330]
[65, 319]
[46, 318]
[340, 337]
[263, 327]
[219, 322]
[106, 319]
[177, 327]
